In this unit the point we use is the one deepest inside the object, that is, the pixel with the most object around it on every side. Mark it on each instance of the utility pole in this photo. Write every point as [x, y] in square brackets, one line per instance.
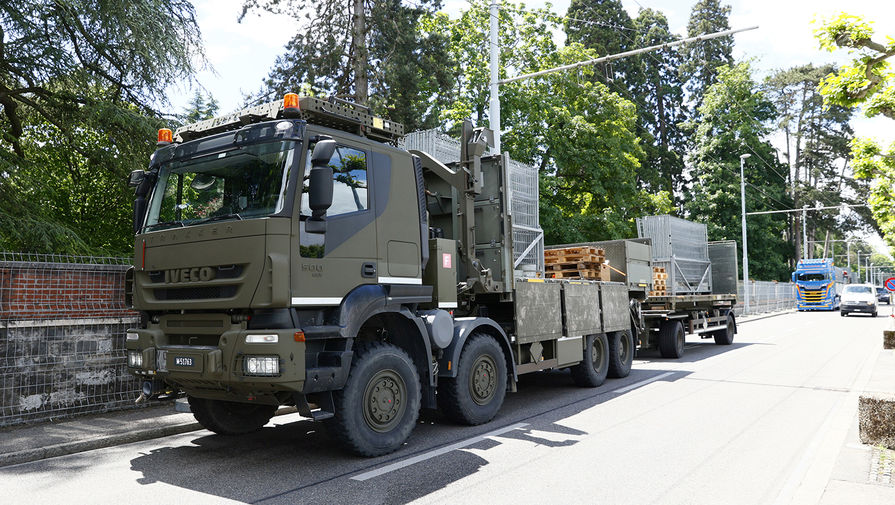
[494, 112]
[743, 158]
[804, 232]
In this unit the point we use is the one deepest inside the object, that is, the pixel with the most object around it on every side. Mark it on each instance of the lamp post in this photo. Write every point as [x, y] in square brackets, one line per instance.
[745, 245]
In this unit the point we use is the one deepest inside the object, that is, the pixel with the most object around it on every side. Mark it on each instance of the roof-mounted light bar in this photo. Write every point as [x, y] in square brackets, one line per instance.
[332, 113]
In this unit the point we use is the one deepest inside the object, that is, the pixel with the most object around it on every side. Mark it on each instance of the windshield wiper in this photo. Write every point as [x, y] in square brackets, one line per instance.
[166, 224]
[219, 218]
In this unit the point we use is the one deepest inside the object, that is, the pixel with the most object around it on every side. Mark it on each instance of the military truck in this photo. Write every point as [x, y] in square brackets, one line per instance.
[292, 254]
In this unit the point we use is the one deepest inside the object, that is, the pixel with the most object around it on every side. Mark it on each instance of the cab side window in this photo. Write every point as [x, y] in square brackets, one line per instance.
[349, 194]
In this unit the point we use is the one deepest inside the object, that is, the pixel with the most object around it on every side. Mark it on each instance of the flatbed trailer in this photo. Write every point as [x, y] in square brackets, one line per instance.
[666, 320]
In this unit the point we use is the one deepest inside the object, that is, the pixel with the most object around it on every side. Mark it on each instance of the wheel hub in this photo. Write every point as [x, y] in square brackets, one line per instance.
[384, 400]
[483, 382]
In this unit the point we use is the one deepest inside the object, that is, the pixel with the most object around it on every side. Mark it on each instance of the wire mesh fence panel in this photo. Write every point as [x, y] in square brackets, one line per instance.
[62, 331]
[766, 296]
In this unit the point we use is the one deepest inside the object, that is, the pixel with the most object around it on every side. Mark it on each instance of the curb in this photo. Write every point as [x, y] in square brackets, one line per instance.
[766, 316]
[64, 449]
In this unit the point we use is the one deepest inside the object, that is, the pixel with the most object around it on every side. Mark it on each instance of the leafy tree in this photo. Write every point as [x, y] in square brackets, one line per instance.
[605, 27]
[660, 103]
[376, 52]
[80, 83]
[817, 139]
[700, 60]
[867, 81]
[201, 107]
[733, 121]
[579, 132]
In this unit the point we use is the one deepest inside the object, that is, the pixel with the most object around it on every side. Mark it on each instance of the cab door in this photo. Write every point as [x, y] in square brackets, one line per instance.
[327, 266]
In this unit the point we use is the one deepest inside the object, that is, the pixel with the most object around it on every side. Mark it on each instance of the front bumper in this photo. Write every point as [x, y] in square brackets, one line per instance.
[858, 307]
[221, 368]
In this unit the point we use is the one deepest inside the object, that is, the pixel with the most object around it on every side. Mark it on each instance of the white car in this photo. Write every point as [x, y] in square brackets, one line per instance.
[858, 298]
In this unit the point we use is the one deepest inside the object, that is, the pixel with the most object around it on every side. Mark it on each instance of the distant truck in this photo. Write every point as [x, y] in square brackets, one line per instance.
[819, 282]
[291, 254]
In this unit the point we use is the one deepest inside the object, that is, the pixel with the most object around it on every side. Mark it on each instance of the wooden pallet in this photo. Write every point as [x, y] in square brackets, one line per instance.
[659, 270]
[658, 293]
[660, 276]
[576, 250]
[584, 265]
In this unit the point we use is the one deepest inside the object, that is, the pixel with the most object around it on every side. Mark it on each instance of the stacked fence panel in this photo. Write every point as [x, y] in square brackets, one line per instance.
[681, 247]
[528, 243]
[62, 331]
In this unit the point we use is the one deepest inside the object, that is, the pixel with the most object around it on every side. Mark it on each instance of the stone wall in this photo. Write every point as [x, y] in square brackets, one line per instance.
[62, 329]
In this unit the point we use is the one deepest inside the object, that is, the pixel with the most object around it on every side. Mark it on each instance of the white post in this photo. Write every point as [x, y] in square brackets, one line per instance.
[494, 112]
[804, 233]
[745, 244]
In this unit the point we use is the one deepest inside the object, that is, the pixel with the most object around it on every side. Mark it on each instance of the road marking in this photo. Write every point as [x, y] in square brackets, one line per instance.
[437, 452]
[642, 383]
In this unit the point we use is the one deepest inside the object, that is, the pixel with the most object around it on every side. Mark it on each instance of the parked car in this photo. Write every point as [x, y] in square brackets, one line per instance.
[858, 298]
[882, 295]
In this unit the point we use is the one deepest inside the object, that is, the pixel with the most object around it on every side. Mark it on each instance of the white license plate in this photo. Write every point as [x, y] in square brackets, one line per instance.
[183, 361]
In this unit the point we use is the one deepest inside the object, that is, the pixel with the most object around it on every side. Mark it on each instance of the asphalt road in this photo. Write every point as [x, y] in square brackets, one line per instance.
[760, 421]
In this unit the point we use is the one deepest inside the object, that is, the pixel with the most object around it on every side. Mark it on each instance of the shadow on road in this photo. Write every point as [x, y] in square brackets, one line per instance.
[298, 463]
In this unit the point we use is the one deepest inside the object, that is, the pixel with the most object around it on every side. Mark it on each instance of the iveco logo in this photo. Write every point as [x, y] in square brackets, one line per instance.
[189, 274]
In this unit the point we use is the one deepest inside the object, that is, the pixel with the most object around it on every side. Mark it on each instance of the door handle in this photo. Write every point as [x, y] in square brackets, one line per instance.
[368, 269]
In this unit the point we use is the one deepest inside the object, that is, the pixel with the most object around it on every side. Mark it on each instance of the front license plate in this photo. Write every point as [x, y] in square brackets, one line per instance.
[183, 361]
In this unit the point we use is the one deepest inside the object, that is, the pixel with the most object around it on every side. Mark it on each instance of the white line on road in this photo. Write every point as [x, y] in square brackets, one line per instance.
[642, 383]
[437, 452]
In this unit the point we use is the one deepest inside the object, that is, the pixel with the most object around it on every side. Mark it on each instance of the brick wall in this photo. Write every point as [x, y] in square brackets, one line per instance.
[62, 331]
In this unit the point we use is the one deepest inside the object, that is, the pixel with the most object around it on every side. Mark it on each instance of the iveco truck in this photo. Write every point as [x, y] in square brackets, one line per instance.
[293, 254]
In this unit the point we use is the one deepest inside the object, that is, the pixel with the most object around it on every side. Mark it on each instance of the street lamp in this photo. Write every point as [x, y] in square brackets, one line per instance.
[745, 246]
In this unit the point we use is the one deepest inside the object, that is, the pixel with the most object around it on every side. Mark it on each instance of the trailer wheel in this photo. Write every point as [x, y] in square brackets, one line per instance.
[725, 336]
[621, 353]
[230, 418]
[379, 405]
[671, 339]
[592, 372]
[476, 394]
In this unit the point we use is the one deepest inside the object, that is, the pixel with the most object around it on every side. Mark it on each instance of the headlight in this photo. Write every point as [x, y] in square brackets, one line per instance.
[261, 339]
[261, 365]
[135, 359]
[132, 335]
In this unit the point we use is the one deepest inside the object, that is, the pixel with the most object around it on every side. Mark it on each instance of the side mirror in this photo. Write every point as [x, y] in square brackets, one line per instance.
[793, 276]
[320, 186]
[136, 178]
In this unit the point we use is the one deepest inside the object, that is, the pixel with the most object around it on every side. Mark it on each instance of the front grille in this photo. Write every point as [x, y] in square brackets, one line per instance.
[814, 295]
[195, 293]
[220, 272]
[194, 340]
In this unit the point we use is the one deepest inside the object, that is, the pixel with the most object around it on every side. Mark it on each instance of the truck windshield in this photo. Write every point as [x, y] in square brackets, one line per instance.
[243, 183]
[812, 277]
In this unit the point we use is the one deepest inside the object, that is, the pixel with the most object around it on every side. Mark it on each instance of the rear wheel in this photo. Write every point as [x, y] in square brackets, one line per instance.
[725, 336]
[592, 371]
[230, 418]
[379, 405]
[621, 353]
[476, 394]
[671, 339]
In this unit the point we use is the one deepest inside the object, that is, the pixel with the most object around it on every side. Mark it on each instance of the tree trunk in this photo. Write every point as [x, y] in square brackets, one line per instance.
[359, 31]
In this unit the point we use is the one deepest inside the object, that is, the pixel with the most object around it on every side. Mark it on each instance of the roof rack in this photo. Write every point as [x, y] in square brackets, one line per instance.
[332, 113]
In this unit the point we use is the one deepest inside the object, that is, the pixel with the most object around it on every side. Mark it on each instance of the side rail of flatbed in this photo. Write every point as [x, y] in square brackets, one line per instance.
[665, 321]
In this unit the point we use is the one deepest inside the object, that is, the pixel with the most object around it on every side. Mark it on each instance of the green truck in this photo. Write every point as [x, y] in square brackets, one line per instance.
[292, 254]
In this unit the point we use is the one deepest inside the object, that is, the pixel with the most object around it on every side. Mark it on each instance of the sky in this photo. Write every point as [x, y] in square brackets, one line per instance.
[241, 54]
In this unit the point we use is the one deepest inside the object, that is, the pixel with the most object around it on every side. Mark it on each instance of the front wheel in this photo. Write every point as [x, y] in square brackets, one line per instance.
[843, 313]
[621, 354]
[476, 394]
[379, 405]
[592, 371]
[230, 418]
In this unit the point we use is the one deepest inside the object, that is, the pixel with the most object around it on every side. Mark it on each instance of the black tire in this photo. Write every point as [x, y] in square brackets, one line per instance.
[592, 371]
[874, 314]
[477, 392]
[843, 313]
[621, 353]
[725, 336]
[671, 339]
[230, 418]
[380, 403]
